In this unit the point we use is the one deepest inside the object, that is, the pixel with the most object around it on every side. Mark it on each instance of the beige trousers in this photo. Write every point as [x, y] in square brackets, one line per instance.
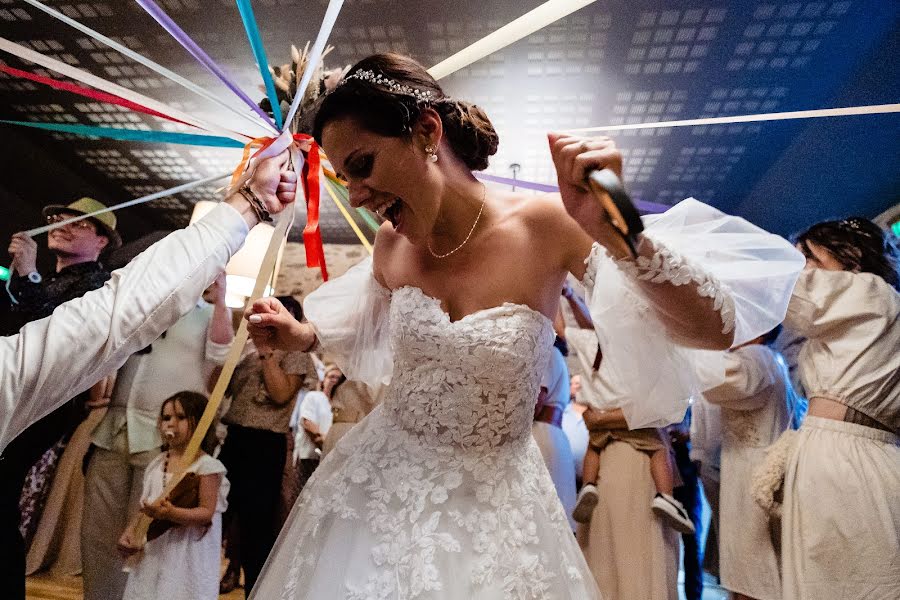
[112, 491]
[56, 545]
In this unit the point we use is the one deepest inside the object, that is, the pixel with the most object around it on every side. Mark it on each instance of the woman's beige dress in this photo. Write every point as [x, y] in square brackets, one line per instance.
[632, 555]
[841, 521]
[56, 546]
[758, 404]
[352, 401]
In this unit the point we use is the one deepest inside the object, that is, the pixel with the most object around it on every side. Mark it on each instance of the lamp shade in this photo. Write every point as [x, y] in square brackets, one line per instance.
[243, 267]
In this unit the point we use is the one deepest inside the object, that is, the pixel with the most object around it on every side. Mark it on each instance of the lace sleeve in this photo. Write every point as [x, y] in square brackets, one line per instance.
[747, 272]
[351, 317]
[667, 266]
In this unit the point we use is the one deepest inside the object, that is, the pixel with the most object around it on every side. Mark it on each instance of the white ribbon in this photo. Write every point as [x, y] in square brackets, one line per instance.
[248, 116]
[873, 109]
[540, 17]
[141, 200]
[315, 56]
[154, 196]
[102, 84]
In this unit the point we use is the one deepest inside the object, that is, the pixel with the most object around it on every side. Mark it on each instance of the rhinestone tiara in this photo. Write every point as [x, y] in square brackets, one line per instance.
[398, 88]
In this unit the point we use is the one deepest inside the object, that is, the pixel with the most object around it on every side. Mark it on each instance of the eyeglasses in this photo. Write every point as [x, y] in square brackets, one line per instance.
[83, 224]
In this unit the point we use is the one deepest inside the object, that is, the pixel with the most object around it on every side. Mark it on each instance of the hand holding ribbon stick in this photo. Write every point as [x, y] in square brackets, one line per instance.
[590, 183]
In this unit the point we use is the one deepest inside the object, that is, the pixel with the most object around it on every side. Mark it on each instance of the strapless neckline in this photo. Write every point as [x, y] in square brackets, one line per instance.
[480, 313]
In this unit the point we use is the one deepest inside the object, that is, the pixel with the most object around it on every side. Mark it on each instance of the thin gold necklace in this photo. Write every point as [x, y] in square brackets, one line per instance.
[471, 231]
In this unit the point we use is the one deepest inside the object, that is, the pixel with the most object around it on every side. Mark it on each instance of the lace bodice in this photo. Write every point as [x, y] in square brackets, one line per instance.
[471, 383]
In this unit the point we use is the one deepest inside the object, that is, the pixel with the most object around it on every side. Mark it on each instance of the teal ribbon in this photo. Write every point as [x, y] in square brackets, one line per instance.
[259, 53]
[134, 135]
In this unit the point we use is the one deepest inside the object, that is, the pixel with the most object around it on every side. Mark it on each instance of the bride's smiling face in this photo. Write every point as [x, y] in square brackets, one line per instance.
[388, 175]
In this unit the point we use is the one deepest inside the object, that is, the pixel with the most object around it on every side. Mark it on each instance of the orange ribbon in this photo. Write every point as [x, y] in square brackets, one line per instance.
[312, 234]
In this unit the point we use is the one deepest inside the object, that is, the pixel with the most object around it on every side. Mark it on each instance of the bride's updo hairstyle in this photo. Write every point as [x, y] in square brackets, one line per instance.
[386, 94]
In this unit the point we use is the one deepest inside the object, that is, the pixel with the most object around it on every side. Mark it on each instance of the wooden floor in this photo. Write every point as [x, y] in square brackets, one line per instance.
[46, 587]
[43, 587]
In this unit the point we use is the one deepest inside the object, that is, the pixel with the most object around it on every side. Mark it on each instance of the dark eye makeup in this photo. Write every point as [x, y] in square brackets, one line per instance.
[360, 165]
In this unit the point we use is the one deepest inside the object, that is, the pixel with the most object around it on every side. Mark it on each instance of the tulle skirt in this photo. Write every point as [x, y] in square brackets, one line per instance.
[393, 515]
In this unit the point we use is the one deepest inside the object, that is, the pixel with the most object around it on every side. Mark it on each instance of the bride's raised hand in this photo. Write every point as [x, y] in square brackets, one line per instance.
[272, 326]
[574, 158]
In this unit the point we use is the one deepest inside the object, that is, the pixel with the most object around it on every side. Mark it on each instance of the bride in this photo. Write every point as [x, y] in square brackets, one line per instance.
[441, 491]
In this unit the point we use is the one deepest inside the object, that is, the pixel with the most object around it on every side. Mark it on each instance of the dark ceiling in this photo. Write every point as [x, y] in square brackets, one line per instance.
[612, 62]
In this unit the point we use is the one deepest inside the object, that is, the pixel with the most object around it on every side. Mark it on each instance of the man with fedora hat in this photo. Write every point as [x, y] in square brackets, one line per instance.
[77, 247]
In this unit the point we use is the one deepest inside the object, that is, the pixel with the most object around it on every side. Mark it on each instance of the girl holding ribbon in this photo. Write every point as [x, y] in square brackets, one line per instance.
[181, 561]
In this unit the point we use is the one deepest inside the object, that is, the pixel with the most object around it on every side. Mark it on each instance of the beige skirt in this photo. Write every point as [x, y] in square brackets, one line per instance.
[841, 520]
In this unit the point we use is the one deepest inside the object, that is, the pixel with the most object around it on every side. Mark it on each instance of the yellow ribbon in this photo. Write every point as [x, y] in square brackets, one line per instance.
[350, 221]
[141, 522]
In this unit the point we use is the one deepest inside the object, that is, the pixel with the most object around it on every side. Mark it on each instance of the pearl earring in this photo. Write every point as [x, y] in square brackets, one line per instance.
[431, 152]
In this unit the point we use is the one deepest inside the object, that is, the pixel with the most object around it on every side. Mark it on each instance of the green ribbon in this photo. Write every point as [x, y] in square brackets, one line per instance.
[134, 135]
[343, 195]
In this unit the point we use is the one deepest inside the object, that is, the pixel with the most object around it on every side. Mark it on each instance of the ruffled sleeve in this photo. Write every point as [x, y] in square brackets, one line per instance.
[351, 317]
[828, 303]
[747, 272]
[207, 465]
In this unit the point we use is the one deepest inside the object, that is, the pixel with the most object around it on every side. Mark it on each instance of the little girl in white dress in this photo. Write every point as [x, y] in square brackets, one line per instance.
[183, 562]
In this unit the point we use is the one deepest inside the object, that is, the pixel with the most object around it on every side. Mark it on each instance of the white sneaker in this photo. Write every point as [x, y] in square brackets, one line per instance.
[672, 512]
[586, 502]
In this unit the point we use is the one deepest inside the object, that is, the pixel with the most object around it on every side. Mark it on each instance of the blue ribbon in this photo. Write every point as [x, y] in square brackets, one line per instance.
[259, 53]
[134, 135]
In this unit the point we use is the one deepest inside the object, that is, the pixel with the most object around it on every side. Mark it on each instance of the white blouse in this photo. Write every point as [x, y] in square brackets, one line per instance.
[852, 354]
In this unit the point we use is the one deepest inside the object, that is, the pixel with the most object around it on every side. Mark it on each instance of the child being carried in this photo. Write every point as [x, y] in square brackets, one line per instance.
[605, 426]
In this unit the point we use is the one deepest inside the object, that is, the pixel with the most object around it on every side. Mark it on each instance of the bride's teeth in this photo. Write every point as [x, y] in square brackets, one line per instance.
[381, 209]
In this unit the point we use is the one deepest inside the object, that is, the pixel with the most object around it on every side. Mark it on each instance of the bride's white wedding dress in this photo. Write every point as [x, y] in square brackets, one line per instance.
[441, 492]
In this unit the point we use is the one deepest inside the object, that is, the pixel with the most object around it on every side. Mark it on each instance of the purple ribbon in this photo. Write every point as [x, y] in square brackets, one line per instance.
[642, 205]
[197, 52]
